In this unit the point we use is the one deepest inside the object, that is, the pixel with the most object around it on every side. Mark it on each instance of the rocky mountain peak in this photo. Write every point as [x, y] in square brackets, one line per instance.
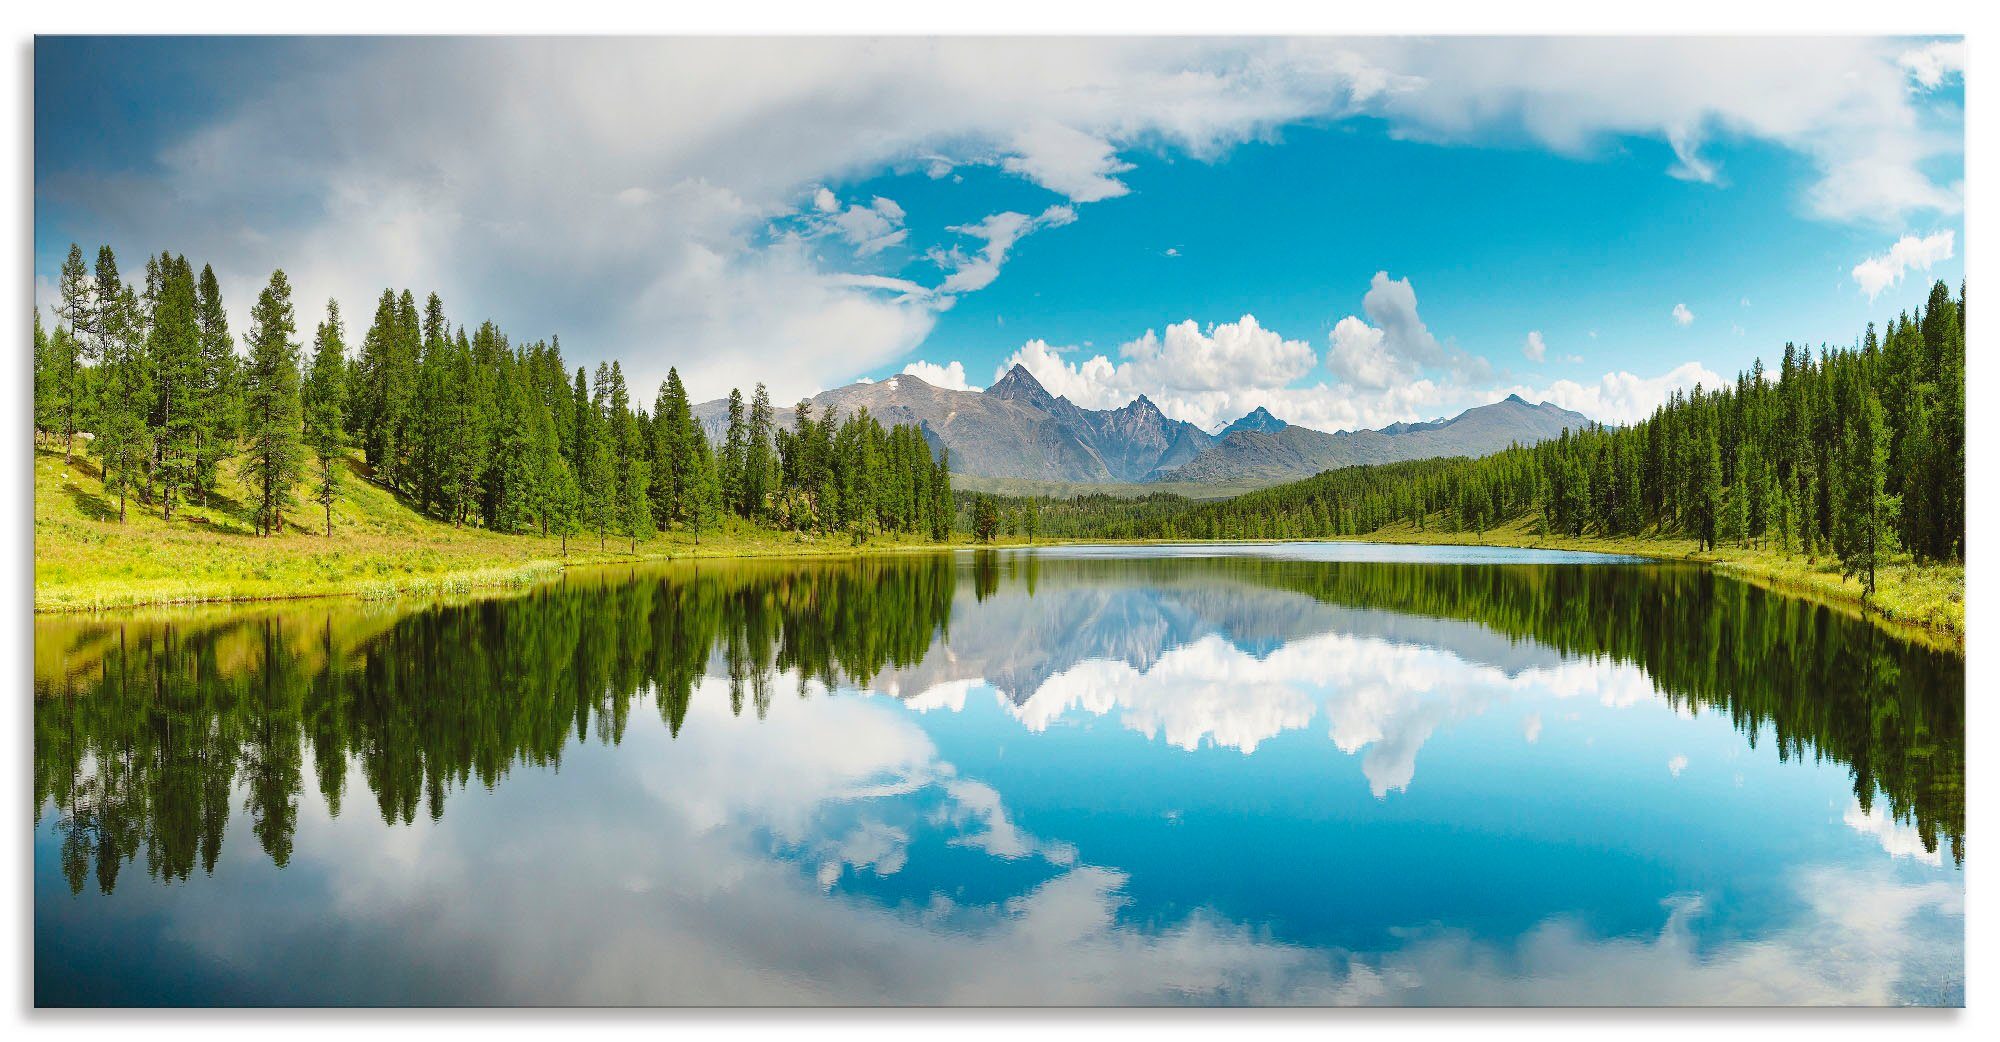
[1019, 384]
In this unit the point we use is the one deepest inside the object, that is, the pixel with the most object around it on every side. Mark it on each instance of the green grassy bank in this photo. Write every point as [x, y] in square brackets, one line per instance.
[1922, 600]
[86, 559]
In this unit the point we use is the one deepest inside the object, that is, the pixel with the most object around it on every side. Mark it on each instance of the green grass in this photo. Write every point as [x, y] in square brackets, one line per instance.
[1921, 600]
[86, 559]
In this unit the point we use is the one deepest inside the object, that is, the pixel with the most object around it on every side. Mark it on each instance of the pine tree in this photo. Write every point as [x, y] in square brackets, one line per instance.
[219, 398]
[598, 477]
[985, 519]
[637, 514]
[735, 441]
[324, 402]
[173, 349]
[44, 382]
[759, 467]
[545, 460]
[1866, 507]
[120, 442]
[75, 312]
[271, 463]
[565, 503]
[704, 491]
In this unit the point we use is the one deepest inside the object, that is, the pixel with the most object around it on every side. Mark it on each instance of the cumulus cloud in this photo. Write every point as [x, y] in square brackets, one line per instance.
[1534, 348]
[1200, 375]
[1682, 316]
[1622, 397]
[1880, 272]
[1398, 345]
[950, 376]
[1389, 368]
[1930, 65]
[405, 163]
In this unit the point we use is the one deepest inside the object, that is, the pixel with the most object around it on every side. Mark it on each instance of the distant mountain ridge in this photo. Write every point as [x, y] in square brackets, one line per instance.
[1017, 429]
[1294, 452]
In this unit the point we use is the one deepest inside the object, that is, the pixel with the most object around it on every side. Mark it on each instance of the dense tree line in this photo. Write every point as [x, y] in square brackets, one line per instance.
[1856, 453]
[471, 428]
[151, 734]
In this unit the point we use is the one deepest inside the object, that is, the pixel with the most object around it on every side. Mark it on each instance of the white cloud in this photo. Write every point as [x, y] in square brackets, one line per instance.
[1682, 316]
[1535, 349]
[1531, 728]
[967, 272]
[404, 163]
[1398, 346]
[1897, 838]
[1205, 376]
[1879, 273]
[949, 376]
[1622, 397]
[1064, 159]
[869, 229]
[1933, 63]
[1395, 370]
[1676, 765]
[1841, 102]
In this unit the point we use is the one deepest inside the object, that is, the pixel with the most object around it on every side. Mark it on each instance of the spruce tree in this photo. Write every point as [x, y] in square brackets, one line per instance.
[220, 395]
[121, 439]
[674, 431]
[704, 491]
[1866, 506]
[729, 469]
[759, 466]
[636, 514]
[323, 400]
[271, 461]
[173, 349]
[75, 311]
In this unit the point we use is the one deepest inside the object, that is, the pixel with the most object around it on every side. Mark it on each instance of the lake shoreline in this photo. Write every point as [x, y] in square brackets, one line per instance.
[1785, 575]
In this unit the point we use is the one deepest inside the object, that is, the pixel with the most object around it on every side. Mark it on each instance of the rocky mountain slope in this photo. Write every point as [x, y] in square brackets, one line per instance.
[1017, 429]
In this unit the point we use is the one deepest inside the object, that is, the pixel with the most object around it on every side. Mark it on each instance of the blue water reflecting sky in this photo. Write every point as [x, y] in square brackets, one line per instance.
[1199, 793]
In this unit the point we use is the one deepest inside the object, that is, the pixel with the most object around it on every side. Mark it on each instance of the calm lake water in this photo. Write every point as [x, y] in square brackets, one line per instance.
[1319, 774]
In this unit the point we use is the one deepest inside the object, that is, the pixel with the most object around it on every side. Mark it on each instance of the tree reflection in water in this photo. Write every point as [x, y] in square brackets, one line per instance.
[148, 727]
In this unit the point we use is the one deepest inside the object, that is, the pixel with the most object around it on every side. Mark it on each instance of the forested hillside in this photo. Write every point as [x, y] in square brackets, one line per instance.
[471, 428]
[1856, 452]
[1820, 473]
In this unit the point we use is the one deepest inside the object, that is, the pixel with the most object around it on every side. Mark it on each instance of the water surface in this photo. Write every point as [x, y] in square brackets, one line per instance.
[1294, 774]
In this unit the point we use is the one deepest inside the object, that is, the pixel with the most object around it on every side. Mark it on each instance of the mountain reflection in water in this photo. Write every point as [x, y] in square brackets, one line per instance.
[1425, 760]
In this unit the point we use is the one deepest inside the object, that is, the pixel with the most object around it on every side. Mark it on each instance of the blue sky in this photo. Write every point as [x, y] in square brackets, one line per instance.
[1348, 231]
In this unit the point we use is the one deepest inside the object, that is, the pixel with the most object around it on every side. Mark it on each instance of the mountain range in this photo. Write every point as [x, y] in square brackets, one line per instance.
[1017, 429]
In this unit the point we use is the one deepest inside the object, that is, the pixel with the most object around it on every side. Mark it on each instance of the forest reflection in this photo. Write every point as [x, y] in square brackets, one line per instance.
[150, 730]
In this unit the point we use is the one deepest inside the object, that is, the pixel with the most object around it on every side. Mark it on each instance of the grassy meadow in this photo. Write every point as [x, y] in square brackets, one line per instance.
[86, 559]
